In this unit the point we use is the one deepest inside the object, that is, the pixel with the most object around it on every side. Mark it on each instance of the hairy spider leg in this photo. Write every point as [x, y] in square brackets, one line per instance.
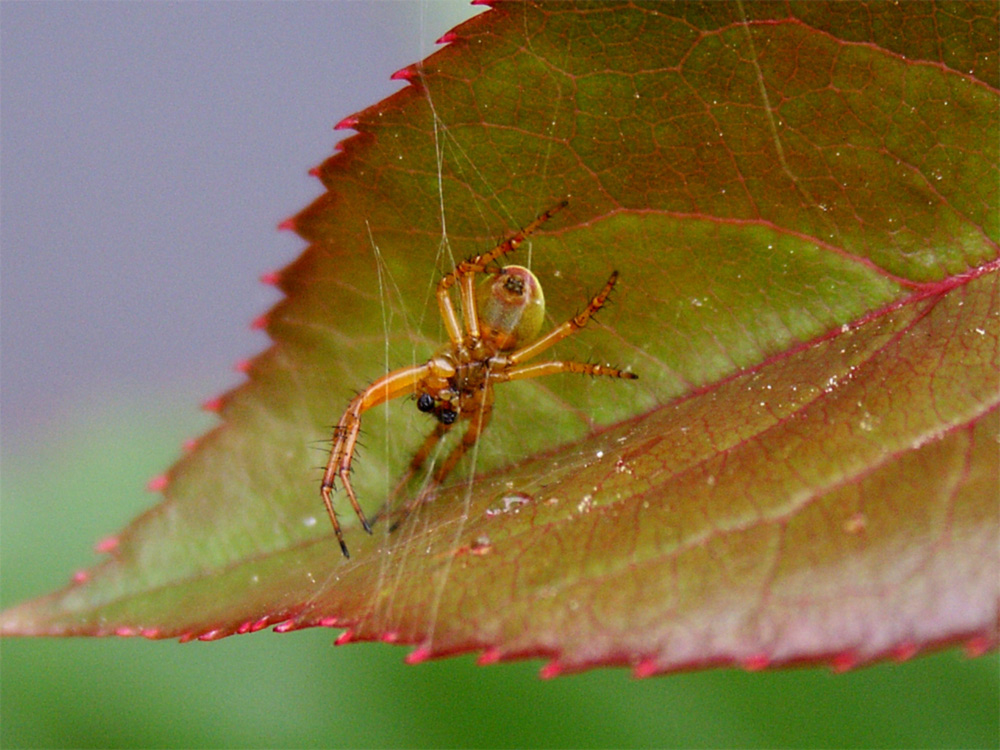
[465, 272]
[513, 370]
[565, 330]
[345, 437]
[539, 369]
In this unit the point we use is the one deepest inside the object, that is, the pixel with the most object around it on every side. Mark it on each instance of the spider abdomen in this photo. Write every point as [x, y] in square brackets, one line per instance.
[511, 308]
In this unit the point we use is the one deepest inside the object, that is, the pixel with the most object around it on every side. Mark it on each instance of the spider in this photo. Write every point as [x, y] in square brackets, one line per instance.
[502, 319]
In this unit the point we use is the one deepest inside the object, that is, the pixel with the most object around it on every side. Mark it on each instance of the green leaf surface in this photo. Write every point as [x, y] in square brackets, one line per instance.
[802, 203]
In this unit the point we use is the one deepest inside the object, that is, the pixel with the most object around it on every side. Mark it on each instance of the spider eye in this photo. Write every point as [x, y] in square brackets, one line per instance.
[511, 307]
[447, 416]
[425, 402]
[514, 284]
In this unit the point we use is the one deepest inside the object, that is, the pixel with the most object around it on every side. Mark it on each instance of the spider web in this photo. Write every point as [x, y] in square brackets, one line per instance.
[449, 152]
[396, 425]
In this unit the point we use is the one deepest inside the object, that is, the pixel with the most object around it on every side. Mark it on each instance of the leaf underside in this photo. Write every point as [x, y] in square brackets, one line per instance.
[802, 203]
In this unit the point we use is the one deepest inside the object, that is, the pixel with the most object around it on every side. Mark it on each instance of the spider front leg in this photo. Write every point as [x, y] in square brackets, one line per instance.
[539, 369]
[345, 436]
[567, 329]
[512, 369]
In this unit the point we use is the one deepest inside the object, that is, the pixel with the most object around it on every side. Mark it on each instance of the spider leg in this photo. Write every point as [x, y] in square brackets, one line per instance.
[477, 423]
[539, 369]
[416, 463]
[470, 310]
[568, 328]
[449, 316]
[345, 437]
[466, 270]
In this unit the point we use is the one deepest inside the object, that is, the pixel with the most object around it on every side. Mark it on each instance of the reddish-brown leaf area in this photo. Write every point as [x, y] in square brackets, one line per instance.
[802, 202]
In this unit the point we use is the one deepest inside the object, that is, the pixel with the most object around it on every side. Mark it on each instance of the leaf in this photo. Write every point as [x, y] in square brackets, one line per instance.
[801, 201]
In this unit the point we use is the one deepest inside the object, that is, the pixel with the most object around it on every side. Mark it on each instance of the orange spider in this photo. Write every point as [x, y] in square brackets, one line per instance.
[506, 311]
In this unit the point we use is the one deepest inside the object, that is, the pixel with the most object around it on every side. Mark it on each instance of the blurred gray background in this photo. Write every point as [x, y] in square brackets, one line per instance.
[147, 153]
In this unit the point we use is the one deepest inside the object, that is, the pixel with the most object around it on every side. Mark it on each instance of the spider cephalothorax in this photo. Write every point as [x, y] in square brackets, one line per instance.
[502, 319]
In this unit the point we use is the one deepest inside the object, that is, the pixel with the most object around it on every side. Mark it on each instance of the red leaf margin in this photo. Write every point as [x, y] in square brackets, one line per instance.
[310, 226]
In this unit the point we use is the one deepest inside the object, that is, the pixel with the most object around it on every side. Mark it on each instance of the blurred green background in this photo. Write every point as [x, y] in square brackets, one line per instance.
[298, 690]
[139, 203]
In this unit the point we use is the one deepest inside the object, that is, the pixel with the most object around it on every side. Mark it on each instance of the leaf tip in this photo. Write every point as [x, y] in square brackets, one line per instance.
[551, 670]
[346, 637]
[81, 576]
[287, 225]
[213, 405]
[107, 545]
[978, 645]
[271, 278]
[260, 624]
[447, 38]
[242, 366]
[259, 323]
[844, 661]
[157, 483]
[418, 655]
[756, 662]
[645, 668]
[348, 123]
[489, 656]
[904, 651]
[212, 635]
[403, 74]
